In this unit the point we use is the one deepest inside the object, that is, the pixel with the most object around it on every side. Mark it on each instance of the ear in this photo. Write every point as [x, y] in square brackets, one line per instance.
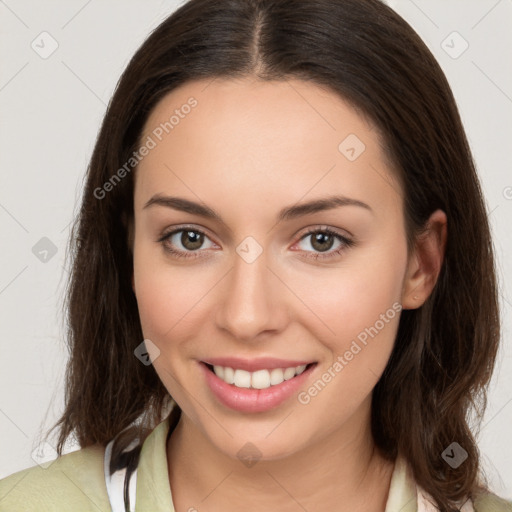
[425, 262]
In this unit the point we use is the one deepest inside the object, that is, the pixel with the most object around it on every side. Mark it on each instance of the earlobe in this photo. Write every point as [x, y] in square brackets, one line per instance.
[425, 263]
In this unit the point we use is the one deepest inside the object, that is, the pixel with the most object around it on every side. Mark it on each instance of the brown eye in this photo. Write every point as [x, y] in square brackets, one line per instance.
[185, 242]
[322, 241]
[191, 240]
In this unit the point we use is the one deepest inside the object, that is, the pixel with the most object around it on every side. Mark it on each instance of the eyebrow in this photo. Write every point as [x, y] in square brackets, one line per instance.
[287, 213]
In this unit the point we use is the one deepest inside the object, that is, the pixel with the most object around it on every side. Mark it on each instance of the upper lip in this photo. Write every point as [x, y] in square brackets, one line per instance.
[252, 365]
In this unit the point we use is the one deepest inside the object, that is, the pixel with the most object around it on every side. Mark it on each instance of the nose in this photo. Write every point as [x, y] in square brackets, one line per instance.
[253, 300]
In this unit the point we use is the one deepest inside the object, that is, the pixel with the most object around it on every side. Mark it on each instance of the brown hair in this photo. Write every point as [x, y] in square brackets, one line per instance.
[444, 352]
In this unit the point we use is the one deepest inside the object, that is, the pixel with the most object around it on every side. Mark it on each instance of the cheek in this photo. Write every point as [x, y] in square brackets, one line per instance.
[166, 301]
[359, 322]
[170, 298]
[352, 297]
[357, 311]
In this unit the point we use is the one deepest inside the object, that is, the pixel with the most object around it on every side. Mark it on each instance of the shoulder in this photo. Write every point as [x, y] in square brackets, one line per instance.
[75, 481]
[489, 502]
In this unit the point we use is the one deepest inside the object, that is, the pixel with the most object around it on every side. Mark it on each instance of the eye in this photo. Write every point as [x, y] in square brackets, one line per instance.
[188, 242]
[185, 242]
[323, 240]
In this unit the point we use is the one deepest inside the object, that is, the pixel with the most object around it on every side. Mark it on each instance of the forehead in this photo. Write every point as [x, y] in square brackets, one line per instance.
[287, 138]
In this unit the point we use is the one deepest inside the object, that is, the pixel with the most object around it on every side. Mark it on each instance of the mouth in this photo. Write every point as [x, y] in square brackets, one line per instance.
[259, 379]
[263, 389]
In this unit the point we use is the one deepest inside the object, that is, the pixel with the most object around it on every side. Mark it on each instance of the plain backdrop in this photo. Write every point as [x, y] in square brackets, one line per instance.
[51, 107]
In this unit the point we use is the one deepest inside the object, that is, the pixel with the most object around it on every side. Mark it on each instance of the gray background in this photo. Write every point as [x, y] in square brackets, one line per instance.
[51, 109]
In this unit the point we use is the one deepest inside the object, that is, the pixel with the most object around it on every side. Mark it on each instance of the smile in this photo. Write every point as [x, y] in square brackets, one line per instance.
[260, 379]
[256, 385]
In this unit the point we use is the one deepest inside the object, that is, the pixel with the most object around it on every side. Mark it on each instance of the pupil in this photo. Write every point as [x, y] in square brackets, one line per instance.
[321, 239]
[191, 240]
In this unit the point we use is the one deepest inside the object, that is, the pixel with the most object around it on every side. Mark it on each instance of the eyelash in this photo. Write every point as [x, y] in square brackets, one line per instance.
[346, 243]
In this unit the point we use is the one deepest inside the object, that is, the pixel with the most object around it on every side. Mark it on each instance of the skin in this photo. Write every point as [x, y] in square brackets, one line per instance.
[247, 150]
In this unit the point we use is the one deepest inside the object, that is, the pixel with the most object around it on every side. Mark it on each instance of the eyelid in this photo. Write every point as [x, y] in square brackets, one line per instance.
[184, 227]
[346, 241]
[300, 235]
[344, 233]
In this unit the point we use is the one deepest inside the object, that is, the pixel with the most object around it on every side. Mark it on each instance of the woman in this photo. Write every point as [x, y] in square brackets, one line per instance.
[282, 229]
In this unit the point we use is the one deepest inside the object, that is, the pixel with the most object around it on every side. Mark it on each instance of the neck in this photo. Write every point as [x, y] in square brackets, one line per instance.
[341, 472]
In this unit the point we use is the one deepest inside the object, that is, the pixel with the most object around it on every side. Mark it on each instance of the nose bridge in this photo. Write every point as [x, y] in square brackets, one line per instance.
[251, 300]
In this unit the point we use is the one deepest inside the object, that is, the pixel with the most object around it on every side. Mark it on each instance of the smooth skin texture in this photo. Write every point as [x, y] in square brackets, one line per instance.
[249, 149]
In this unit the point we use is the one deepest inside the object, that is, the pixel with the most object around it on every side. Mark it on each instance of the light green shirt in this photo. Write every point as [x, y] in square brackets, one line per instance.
[75, 482]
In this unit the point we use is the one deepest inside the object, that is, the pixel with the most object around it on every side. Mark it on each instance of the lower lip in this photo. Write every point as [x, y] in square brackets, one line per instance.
[254, 400]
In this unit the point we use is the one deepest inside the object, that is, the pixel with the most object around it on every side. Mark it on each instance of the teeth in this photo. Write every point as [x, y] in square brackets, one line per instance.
[229, 375]
[242, 379]
[260, 379]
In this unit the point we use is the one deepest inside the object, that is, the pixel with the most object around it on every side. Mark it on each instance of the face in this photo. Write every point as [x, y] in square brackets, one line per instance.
[267, 313]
